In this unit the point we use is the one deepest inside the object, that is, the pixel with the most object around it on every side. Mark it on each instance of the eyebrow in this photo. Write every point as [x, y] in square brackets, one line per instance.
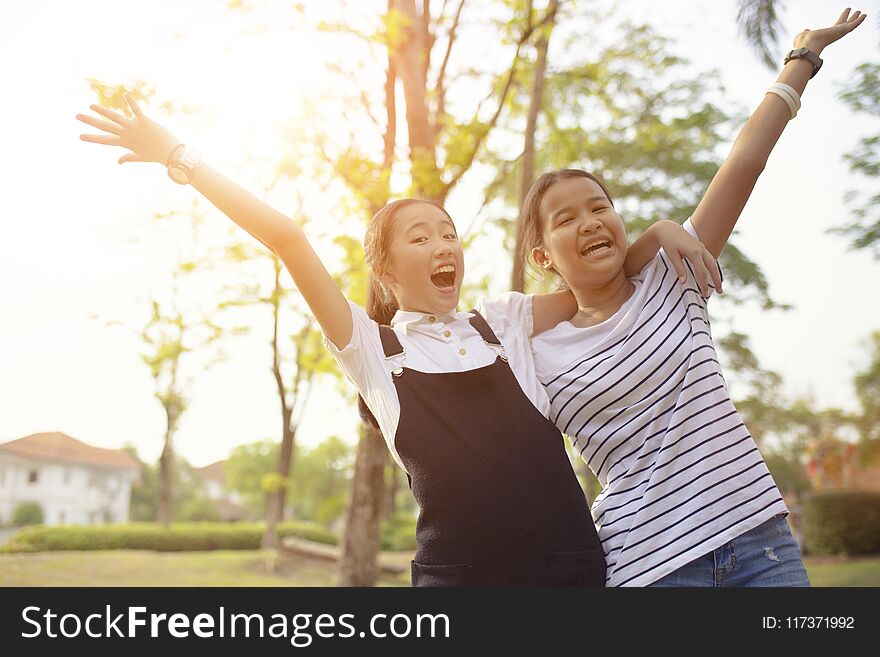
[568, 208]
[425, 225]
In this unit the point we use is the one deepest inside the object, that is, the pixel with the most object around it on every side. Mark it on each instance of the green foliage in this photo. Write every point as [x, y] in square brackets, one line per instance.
[789, 474]
[145, 493]
[198, 509]
[862, 94]
[867, 385]
[27, 513]
[629, 113]
[319, 488]
[245, 469]
[843, 522]
[316, 490]
[759, 23]
[179, 537]
[399, 532]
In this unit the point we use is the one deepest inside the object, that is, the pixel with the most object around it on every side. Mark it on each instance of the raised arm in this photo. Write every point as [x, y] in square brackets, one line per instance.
[718, 211]
[148, 141]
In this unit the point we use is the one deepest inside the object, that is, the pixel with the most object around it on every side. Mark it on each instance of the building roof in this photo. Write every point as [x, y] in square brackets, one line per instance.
[213, 472]
[57, 446]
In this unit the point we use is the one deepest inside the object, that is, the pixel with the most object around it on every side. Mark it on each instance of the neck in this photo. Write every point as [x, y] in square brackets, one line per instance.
[596, 304]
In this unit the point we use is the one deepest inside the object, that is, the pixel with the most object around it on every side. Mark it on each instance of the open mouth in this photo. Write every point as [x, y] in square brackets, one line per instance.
[596, 247]
[444, 277]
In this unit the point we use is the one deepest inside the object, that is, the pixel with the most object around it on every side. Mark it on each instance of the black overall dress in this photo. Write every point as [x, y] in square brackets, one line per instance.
[499, 502]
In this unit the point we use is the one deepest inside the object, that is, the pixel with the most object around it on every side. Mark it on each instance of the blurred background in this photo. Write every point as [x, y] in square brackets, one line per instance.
[162, 386]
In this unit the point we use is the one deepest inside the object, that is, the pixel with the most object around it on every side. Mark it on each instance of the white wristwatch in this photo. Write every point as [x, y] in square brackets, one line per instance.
[180, 169]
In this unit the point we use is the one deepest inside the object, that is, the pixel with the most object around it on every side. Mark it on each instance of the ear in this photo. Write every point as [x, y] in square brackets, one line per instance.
[541, 258]
[385, 277]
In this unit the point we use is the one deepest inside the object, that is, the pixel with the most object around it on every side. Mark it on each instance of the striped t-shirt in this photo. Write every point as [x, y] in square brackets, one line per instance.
[642, 398]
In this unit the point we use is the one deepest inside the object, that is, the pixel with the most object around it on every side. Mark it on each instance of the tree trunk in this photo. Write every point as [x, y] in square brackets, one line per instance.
[527, 163]
[358, 565]
[276, 498]
[164, 511]
[410, 62]
[391, 488]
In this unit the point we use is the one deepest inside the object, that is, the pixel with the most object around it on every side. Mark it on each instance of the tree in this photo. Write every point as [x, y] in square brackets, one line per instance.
[867, 420]
[188, 495]
[293, 375]
[170, 332]
[246, 468]
[527, 163]
[862, 94]
[442, 148]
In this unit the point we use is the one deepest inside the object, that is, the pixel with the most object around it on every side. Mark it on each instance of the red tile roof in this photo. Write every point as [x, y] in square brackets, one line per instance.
[213, 472]
[57, 446]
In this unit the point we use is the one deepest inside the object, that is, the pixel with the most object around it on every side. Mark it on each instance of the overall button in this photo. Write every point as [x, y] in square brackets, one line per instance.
[432, 319]
[446, 334]
[462, 351]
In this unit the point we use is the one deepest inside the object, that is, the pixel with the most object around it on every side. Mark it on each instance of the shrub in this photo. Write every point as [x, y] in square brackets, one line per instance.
[179, 537]
[27, 513]
[399, 532]
[842, 522]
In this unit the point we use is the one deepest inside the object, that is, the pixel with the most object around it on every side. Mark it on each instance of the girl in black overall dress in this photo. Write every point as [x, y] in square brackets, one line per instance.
[500, 504]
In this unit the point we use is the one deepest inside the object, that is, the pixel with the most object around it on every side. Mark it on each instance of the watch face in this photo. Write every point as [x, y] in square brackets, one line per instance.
[178, 174]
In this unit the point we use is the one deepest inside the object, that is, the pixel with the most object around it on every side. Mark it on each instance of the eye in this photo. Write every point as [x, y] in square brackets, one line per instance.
[600, 208]
[420, 240]
[450, 236]
[566, 220]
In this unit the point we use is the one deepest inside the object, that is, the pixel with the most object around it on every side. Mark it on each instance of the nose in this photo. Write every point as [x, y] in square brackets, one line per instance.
[443, 248]
[590, 224]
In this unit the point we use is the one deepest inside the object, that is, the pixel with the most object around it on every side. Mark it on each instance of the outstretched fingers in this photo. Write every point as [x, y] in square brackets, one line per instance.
[116, 117]
[108, 140]
[133, 105]
[106, 126]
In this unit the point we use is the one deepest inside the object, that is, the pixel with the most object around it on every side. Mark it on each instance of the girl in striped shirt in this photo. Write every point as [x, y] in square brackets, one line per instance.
[633, 377]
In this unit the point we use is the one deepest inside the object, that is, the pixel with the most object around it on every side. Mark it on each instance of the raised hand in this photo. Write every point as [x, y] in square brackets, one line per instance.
[145, 139]
[818, 40]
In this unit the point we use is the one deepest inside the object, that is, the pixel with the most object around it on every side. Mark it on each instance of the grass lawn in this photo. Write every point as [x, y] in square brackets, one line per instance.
[835, 571]
[144, 568]
[253, 568]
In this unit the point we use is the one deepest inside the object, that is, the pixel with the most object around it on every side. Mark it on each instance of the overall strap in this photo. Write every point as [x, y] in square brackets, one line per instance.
[390, 344]
[484, 329]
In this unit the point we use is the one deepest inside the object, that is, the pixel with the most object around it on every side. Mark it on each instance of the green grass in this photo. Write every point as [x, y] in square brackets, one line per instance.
[255, 568]
[837, 571]
[142, 568]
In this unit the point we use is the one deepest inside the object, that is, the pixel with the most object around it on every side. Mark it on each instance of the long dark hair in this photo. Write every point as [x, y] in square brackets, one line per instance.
[381, 303]
[530, 223]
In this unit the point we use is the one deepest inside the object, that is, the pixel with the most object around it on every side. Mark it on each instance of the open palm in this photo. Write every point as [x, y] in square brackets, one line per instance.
[817, 40]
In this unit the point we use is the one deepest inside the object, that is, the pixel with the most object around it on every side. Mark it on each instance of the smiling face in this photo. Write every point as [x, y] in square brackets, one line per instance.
[425, 265]
[583, 237]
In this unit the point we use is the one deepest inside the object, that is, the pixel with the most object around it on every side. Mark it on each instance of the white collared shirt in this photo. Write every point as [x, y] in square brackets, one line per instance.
[436, 343]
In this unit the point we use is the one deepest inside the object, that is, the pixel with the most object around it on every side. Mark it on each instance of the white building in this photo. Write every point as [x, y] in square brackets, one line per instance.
[74, 483]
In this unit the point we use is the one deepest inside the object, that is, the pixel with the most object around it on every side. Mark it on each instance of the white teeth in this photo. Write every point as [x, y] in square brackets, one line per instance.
[444, 269]
[593, 247]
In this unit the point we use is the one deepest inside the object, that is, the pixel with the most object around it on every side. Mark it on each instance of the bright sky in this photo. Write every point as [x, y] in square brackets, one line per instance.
[77, 241]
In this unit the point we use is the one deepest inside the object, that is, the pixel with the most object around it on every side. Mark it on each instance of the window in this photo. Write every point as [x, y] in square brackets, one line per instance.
[66, 476]
[61, 518]
[33, 476]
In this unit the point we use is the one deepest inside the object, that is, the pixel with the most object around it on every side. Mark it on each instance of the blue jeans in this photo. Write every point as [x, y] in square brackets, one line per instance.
[767, 555]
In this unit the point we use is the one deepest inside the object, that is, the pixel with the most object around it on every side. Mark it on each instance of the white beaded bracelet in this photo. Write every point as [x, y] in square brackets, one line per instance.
[788, 94]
